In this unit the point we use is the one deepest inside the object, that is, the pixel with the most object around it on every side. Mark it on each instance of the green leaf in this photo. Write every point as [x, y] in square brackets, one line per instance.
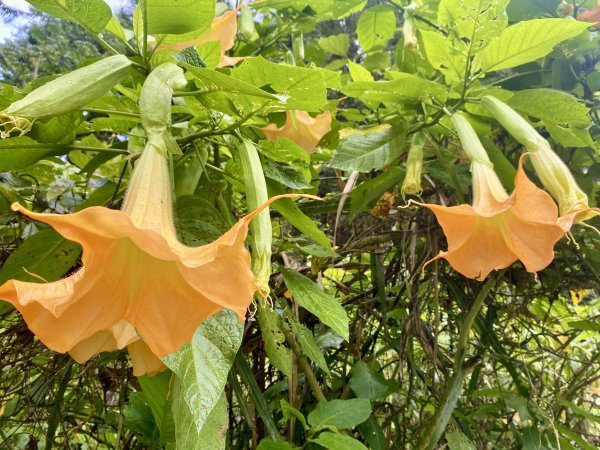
[139, 418]
[228, 94]
[307, 342]
[373, 433]
[324, 306]
[288, 209]
[477, 21]
[336, 45]
[202, 366]
[344, 414]
[376, 26]
[443, 55]
[458, 441]
[358, 72]
[301, 88]
[527, 41]
[45, 254]
[158, 395]
[367, 193]
[213, 434]
[92, 14]
[289, 176]
[270, 330]
[403, 87]
[22, 151]
[366, 383]
[284, 150]
[370, 151]
[550, 105]
[270, 444]
[183, 16]
[198, 221]
[336, 441]
[288, 411]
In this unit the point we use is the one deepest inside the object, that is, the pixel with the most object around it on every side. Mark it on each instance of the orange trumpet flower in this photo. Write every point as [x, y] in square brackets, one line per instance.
[137, 281]
[500, 229]
[301, 128]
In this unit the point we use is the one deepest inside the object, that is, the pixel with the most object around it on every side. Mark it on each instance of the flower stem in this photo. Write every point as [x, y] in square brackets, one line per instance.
[461, 368]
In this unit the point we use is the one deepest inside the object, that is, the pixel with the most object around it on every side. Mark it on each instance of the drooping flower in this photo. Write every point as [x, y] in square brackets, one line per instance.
[135, 274]
[139, 286]
[497, 229]
[552, 171]
[301, 128]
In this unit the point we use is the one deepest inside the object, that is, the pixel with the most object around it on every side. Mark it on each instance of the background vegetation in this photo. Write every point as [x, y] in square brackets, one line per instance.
[532, 364]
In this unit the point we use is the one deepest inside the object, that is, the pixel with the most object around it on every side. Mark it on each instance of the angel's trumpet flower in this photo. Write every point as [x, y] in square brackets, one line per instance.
[139, 286]
[497, 229]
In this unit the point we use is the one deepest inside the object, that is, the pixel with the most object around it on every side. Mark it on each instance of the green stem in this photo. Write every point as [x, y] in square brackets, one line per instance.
[73, 147]
[110, 111]
[305, 366]
[444, 411]
[228, 129]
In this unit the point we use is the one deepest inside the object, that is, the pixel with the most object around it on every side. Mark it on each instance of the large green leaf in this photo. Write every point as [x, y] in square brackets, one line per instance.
[443, 55]
[45, 254]
[402, 88]
[203, 365]
[92, 14]
[231, 95]
[324, 306]
[367, 193]
[527, 41]
[213, 434]
[307, 342]
[336, 441]
[376, 26]
[369, 151]
[288, 209]
[341, 413]
[22, 151]
[336, 45]
[158, 395]
[272, 334]
[551, 105]
[477, 21]
[366, 383]
[182, 16]
[301, 88]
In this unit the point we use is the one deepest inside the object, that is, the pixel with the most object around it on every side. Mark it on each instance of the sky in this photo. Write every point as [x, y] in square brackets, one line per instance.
[7, 30]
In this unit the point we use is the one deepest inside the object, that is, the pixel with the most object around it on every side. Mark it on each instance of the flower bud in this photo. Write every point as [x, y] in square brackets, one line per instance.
[414, 166]
[65, 94]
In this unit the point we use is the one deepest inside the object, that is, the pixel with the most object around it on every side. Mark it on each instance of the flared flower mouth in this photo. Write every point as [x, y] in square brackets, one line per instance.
[135, 271]
[301, 128]
[499, 229]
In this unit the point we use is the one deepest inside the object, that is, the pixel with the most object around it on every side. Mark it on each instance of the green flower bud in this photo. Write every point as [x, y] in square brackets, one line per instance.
[65, 94]
[414, 166]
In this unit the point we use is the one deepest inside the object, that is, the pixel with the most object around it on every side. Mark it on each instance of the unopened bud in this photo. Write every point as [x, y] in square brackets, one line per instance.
[414, 166]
